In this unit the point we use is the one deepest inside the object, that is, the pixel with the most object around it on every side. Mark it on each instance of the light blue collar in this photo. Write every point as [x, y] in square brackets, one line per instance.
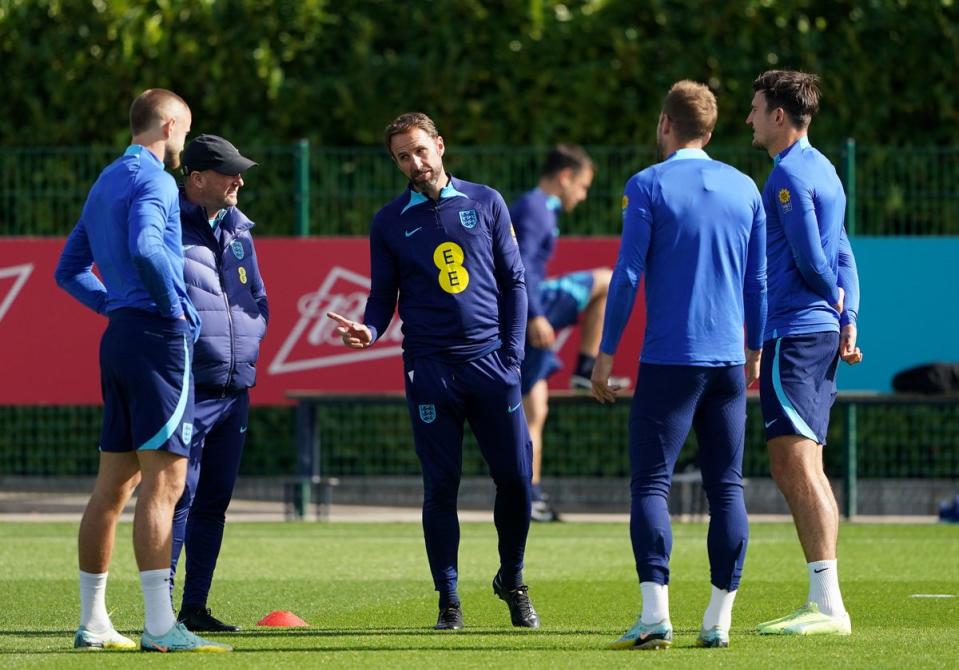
[417, 198]
[553, 203]
[216, 219]
[140, 150]
[802, 143]
[687, 154]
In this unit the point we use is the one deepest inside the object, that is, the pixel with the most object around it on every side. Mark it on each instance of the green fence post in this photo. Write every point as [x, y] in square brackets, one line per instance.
[301, 195]
[850, 186]
[850, 482]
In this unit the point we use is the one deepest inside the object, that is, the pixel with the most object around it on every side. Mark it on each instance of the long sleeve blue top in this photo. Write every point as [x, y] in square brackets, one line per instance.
[535, 220]
[455, 265]
[129, 228]
[696, 228]
[809, 255]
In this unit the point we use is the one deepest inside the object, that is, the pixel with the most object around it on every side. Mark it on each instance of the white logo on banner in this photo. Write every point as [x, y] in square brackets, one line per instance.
[314, 342]
[20, 273]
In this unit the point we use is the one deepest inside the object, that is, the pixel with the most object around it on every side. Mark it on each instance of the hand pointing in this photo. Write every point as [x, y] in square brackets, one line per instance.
[355, 335]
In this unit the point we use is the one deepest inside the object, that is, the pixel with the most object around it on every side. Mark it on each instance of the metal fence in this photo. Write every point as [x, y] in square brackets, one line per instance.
[898, 441]
[301, 189]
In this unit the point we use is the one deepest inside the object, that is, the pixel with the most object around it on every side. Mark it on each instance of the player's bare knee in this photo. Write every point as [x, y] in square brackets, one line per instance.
[108, 502]
[536, 415]
[601, 279]
[163, 478]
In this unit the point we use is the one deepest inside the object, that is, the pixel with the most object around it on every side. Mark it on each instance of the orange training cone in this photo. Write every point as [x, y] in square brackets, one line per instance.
[282, 619]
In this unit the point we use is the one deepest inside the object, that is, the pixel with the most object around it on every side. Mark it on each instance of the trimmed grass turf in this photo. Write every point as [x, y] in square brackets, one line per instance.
[365, 590]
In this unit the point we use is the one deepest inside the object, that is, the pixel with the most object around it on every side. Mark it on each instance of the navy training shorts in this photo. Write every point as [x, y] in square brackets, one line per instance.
[147, 383]
[564, 298]
[797, 384]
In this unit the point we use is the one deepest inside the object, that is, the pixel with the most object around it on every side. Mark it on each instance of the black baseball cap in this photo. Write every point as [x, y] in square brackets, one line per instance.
[212, 152]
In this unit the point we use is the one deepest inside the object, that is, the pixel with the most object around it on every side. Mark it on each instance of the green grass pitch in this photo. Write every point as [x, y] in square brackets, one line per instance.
[365, 590]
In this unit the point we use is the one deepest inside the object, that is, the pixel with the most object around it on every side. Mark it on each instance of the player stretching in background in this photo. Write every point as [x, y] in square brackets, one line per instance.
[813, 305]
[557, 302]
[447, 248]
[696, 228]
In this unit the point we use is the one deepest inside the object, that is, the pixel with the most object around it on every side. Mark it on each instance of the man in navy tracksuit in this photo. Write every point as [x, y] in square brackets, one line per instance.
[446, 247]
[223, 281]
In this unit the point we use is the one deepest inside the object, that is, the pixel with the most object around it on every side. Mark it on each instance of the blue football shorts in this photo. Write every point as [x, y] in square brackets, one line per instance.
[797, 384]
[564, 298]
[147, 383]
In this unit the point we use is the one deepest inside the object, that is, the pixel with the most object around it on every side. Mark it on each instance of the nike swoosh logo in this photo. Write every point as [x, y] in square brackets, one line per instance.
[769, 423]
[411, 233]
[159, 647]
[243, 429]
[820, 570]
[513, 409]
[188, 246]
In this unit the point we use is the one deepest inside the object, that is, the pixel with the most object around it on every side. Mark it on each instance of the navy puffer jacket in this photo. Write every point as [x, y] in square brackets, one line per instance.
[223, 281]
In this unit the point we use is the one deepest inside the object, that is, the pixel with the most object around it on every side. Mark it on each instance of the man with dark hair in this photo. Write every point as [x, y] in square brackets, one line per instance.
[813, 306]
[558, 302]
[223, 281]
[447, 248]
[696, 228]
[130, 228]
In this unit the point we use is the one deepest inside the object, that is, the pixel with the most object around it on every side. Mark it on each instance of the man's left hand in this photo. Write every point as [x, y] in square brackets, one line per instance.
[602, 390]
[753, 361]
[848, 350]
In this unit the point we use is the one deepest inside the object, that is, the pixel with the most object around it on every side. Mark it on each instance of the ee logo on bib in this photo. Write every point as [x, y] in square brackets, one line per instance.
[453, 277]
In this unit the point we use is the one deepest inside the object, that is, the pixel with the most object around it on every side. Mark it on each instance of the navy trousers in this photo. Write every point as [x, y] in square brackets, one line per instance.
[219, 434]
[668, 401]
[486, 393]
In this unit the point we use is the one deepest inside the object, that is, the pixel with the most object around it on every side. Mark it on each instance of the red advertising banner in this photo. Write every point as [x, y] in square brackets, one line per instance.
[50, 342]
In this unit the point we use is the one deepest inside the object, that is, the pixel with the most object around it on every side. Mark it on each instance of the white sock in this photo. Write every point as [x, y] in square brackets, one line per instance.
[655, 602]
[720, 609]
[824, 587]
[93, 602]
[156, 601]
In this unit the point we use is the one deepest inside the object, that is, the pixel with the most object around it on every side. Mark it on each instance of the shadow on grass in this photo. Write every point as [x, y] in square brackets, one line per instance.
[439, 634]
[325, 637]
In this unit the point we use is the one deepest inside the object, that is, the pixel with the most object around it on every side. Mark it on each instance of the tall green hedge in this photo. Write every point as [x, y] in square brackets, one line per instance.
[509, 72]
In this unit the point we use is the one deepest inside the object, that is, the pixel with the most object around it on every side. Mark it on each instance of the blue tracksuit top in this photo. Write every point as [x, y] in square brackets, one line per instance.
[808, 252]
[129, 227]
[534, 218]
[456, 266]
[223, 280]
[696, 228]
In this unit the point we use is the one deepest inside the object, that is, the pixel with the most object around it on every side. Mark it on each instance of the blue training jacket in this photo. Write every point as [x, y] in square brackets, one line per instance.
[129, 227]
[696, 228]
[223, 281]
[534, 218]
[456, 266]
[810, 257]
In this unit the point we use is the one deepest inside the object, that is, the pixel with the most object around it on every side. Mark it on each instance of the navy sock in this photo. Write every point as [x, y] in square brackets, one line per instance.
[448, 595]
[537, 492]
[584, 365]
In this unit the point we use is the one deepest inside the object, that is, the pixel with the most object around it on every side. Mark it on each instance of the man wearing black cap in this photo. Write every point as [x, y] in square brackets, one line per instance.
[223, 281]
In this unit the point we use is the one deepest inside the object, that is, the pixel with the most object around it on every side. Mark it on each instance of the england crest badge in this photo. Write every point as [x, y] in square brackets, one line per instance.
[468, 218]
[237, 248]
[428, 413]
